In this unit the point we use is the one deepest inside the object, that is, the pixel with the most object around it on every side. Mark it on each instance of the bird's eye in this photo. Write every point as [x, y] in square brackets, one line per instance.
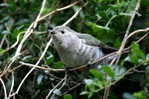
[62, 32]
[52, 32]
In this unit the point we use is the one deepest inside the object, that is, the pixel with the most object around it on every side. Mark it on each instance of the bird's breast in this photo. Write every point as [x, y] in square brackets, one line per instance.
[80, 55]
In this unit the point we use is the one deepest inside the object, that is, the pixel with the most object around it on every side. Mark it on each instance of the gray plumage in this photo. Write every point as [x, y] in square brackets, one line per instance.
[76, 49]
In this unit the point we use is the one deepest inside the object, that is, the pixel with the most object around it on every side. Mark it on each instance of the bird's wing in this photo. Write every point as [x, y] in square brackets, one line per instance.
[90, 40]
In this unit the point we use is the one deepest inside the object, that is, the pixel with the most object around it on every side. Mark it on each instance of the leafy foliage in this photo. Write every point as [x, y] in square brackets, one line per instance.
[107, 20]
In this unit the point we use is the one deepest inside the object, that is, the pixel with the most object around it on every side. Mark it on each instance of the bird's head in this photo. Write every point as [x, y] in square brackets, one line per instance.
[63, 36]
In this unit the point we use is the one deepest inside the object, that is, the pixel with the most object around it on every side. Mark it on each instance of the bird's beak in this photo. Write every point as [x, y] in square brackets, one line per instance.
[51, 32]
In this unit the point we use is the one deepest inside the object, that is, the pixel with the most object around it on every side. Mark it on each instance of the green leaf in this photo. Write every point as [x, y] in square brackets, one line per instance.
[103, 33]
[67, 96]
[96, 27]
[50, 59]
[2, 51]
[117, 42]
[15, 33]
[59, 64]
[46, 10]
[140, 95]
[109, 71]
[97, 74]
[136, 55]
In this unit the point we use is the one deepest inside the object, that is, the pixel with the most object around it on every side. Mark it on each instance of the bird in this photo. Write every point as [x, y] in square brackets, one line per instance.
[77, 49]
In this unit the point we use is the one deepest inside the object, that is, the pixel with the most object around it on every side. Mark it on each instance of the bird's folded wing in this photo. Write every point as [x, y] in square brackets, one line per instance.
[92, 41]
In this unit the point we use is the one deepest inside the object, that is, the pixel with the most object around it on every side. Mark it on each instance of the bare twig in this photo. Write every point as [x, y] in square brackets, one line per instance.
[123, 43]
[137, 31]
[15, 68]
[32, 26]
[84, 66]
[27, 34]
[41, 67]
[72, 69]
[57, 10]
[74, 16]
[127, 31]
[50, 92]
[15, 44]
[4, 87]
[106, 93]
[2, 41]
[121, 77]
[46, 48]
[138, 71]
[71, 89]
[108, 23]
[12, 85]
[144, 36]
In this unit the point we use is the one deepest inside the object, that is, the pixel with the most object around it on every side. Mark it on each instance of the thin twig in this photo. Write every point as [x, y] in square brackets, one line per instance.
[50, 92]
[121, 77]
[64, 83]
[57, 10]
[113, 17]
[71, 89]
[137, 31]
[46, 48]
[2, 41]
[15, 44]
[138, 71]
[127, 31]
[4, 87]
[12, 86]
[71, 69]
[144, 36]
[41, 67]
[27, 34]
[32, 26]
[106, 93]
[74, 16]
[124, 41]
[84, 66]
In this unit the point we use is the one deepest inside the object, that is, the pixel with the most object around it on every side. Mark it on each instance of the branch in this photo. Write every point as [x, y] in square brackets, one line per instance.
[58, 10]
[127, 31]
[41, 67]
[12, 85]
[4, 87]
[126, 73]
[27, 34]
[50, 92]
[72, 69]
[44, 52]
[74, 16]
[137, 31]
